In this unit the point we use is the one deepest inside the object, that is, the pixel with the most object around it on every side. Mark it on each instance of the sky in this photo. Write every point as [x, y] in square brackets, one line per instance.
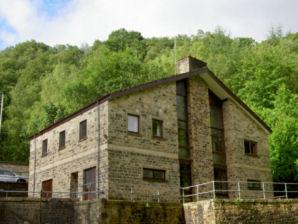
[80, 22]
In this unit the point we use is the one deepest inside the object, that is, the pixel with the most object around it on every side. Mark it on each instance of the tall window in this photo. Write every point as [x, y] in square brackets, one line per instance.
[62, 140]
[250, 147]
[218, 144]
[83, 129]
[183, 142]
[45, 147]
[157, 128]
[182, 120]
[217, 131]
[133, 123]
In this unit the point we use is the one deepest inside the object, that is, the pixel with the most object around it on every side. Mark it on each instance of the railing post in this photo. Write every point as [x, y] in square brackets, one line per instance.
[213, 185]
[158, 196]
[183, 195]
[6, 194]
[197, 193]
[239, 190]
[286, 190]
[264, 192]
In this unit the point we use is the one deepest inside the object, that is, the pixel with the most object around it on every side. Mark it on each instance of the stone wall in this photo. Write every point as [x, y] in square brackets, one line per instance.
[145, 213]
[240, 166]
[199, 131]
[36, 211]
[21, 169]
[129, 153]
[246, 211]
[77, 155]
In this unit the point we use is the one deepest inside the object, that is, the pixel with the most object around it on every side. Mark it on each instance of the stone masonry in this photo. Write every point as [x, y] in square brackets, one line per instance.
[77, 156]
[119, 156]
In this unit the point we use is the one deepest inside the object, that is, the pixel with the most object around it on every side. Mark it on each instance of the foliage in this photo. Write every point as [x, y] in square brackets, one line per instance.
[42, 84]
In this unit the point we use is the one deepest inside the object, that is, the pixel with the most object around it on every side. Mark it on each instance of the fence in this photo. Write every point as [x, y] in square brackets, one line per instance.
[121, 192]
[239, 190]
[208, 190]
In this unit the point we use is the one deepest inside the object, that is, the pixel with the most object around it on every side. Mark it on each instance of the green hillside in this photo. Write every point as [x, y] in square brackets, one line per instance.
[42, 84]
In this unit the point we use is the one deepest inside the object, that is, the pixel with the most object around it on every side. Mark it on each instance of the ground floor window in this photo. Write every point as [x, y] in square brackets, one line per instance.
[254, 184]
[154, 174]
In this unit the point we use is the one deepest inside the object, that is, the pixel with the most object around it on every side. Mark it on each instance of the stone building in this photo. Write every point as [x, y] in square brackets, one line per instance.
[156, 137]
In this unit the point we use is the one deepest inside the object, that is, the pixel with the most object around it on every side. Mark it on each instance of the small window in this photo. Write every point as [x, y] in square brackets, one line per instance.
[45, 147]
[253, 184]
[62, 140]
[83, 130]
[153, 174]
[250, 147]
[133, 125]
[157, 128]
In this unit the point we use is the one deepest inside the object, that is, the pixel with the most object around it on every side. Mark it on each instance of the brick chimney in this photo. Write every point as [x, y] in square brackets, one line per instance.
[189, 64]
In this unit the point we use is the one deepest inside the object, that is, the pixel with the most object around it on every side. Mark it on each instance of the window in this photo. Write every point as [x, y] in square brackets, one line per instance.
[250, 147]
[47, 188]
[45, 147]
[62, 140]
[157, 128]
[154, 175]
[133, 125]
[8, 173]
[253, 184]
[83, 130]
[90, 183]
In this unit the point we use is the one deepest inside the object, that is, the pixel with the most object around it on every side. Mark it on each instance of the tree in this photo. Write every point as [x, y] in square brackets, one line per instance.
[121, 39]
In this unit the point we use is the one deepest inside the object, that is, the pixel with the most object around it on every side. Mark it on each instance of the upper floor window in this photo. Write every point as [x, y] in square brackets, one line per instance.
[83, 129]
[133, 123]
[250, 147]
[153, 174]
[62, 140]
[45, 147]
[157, 128]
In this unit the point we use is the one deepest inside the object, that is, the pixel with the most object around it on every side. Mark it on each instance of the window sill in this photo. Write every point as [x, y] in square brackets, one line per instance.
[254, 189]
[44, 154]
[154, 180]
[251, 155]
[134, 133]
[61, 148]
[158, 138]
[83, 139]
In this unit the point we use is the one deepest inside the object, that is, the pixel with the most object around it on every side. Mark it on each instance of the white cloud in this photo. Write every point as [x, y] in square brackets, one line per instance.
[82, 21]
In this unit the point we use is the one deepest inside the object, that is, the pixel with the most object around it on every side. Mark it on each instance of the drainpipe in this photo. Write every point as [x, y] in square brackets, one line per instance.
[98, 150]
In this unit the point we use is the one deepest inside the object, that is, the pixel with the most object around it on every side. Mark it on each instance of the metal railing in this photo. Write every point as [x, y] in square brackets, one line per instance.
[120, 192]
[239, 190]
[208, 190]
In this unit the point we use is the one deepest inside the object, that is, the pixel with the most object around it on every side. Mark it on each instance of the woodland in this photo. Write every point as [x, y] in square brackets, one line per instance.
[43, 84]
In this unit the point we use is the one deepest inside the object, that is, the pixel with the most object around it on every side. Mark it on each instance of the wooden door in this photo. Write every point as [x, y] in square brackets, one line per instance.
[47, 186]
[90, 183]
[74, 185]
